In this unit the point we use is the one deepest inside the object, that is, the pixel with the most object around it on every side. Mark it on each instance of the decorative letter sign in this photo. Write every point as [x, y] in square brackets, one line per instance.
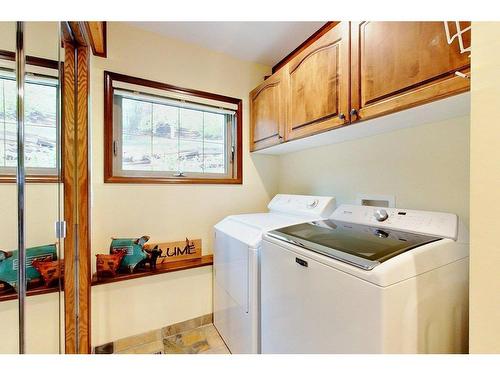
[178, 250]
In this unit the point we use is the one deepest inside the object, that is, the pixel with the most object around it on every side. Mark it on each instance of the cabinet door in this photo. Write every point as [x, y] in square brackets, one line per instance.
[397, 65]
[267, 112]
[318, 85]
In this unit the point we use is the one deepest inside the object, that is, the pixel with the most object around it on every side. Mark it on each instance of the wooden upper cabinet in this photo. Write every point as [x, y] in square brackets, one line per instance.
[318, 85]
[267, 112]
[397, 65]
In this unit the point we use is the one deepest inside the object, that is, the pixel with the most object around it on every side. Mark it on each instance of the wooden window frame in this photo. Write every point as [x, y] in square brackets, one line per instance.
[109, 177]
[43, 63]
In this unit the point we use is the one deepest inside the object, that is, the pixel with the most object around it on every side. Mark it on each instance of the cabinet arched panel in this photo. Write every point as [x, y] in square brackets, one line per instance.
[265, 115]
[267, 111]
[318, 80]
[323, 86]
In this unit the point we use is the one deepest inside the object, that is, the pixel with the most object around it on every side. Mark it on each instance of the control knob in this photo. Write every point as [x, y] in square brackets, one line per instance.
[381, 215]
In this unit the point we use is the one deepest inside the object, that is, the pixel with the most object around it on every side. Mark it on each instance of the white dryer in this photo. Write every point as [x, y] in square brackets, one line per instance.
[238, 240]
[367, 280]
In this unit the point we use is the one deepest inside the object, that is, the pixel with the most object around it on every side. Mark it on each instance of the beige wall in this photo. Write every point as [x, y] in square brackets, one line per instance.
[172, 212]
[41, 40]
[42, 325]
[141, 305]
[485, 189]
[167, 212]
[424, 167]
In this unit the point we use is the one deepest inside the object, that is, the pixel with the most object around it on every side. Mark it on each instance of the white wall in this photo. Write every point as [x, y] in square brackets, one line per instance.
[167, 212]
[424, 167]
[485, 189]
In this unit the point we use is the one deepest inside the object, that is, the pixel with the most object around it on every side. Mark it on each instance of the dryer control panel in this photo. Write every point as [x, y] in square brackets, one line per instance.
[437, 224]
[308, 205]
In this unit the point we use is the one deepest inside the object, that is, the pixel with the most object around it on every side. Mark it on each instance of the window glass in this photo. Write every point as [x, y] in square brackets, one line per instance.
[40, 125]
[159, 137]
[214, 138]
[136, 135]
[165, 138]
[8, 132]
[191, 141]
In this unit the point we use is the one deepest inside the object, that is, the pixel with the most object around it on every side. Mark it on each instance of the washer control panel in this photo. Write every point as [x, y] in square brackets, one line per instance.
[308, 205]
[437, 224]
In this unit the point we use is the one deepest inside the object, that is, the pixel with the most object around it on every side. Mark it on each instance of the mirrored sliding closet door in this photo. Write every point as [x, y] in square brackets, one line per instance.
[31, 229]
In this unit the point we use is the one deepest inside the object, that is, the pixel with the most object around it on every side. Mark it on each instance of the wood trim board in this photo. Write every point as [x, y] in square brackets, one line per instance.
[76, 200]
[83, 201]
[97, 35]
[68, 111]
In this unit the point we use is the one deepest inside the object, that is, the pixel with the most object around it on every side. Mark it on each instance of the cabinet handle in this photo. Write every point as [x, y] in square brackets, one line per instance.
[353, 112]
[462, 75]
[280, 136]
[341, 116]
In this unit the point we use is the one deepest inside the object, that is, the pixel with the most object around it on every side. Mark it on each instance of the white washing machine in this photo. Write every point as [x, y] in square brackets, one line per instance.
[367, 280]
[238, 240]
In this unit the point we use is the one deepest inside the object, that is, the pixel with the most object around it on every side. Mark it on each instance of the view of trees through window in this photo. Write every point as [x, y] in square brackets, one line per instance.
[160, 137]
[40, 124]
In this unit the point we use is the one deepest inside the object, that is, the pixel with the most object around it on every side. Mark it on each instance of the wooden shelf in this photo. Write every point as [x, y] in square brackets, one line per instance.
[11, 294]
[206, 260]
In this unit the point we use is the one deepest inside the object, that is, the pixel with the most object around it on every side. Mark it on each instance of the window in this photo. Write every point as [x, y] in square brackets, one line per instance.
[158, 133]
[41, 131]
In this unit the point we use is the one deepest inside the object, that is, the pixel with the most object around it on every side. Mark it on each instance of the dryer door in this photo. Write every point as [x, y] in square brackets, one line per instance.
[231, 293]
[231, 268]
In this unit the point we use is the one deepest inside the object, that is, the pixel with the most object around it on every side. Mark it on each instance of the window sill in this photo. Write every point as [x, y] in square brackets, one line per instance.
[206, 260]
[165, 180]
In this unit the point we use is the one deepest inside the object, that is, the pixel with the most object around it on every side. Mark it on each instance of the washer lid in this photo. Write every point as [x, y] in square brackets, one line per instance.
[362, 246]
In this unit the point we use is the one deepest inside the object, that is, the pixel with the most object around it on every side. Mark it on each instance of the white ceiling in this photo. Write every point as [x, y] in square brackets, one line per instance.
[263, 42]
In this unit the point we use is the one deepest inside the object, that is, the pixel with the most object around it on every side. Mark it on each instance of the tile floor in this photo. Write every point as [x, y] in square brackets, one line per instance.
[193, 336]
[201, 340]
